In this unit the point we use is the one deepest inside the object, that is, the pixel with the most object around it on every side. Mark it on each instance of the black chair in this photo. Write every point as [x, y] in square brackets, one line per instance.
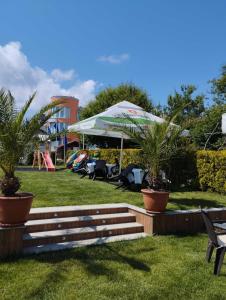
[100, 169]
[115, 169]
[125, 179]
[217, 241]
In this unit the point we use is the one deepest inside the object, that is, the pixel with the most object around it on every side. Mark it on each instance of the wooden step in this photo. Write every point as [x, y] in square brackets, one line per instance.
[75, 234]
[73, 211]
[82, 243]
[80, 221]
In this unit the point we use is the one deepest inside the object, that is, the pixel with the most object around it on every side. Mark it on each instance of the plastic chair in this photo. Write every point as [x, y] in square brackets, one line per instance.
[126, 177]
[217, 241]
[100, 169]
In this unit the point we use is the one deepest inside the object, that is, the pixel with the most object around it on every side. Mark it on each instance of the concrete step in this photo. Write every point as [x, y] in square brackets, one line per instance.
[72, 211]
[83, 233]
[80, 221]
[82, 243]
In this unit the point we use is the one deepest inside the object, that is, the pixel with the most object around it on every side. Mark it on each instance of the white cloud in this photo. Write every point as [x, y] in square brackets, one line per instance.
[60, 75]
[22, 79]
[114, 59]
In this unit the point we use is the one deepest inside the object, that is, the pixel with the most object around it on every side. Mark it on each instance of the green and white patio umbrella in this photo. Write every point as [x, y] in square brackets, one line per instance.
[108, 123]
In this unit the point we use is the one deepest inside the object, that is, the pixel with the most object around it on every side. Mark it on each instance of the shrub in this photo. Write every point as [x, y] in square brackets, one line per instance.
[129, 156]
[211, 167]
[182, 169]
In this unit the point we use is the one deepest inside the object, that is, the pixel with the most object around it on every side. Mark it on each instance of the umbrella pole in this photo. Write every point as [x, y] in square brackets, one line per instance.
[83, 142]
[56, 152]
[64, 148]
[120, 161]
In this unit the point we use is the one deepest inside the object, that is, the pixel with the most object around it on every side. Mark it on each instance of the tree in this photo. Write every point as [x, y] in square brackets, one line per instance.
[218, 89]
[111, 96]
[158, 142]
[206, 132]
[193, 106]
[16, 135]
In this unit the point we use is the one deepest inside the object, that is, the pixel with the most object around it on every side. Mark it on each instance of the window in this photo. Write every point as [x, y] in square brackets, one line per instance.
[57, 127]
[62, 126]
[63, 113]
[66, 112]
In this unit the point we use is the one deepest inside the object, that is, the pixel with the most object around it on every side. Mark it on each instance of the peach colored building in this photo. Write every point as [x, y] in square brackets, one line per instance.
[66, 116]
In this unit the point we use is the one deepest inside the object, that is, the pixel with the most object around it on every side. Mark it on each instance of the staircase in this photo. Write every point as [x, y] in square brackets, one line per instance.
[65, 227]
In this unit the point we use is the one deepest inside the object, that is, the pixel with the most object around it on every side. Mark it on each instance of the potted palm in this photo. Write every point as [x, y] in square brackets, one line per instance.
[16, 136]
[158, 142]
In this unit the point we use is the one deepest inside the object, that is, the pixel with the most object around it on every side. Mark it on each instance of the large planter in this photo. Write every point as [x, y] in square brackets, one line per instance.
[14, 210]
[155, 201]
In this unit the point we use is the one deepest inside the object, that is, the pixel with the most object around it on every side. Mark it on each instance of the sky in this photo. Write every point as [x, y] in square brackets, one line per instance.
[78, 47]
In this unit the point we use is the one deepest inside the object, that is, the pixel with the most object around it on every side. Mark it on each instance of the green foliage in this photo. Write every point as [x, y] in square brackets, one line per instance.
[110, 155]
[207, 130]
[218, 89]
[111, 96]
[17, 134]
[158, 143]
[193, 107]
[129, 156]
[211, 167]
[182, 169]
[157, 267]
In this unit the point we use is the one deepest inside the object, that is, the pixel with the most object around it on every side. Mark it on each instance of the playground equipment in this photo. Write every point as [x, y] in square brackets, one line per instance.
[80, 161]
[43, 158]
[37, 159]
[71, 159]
[47, 161]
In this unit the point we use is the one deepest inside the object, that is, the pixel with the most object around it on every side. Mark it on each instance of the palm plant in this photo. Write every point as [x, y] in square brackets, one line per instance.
[17, 135]
[158, 142]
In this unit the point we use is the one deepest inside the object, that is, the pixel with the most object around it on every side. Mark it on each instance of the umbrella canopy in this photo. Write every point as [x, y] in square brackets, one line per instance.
[108, 123]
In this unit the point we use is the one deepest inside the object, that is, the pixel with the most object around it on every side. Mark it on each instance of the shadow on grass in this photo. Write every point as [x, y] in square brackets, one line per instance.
[94, 258]
[184, 203]
[51, 280]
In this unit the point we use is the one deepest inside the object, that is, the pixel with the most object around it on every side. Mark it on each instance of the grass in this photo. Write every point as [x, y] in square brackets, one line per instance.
[66, 188]
[160, 267]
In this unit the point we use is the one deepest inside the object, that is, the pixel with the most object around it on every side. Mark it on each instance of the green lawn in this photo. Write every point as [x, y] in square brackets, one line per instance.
[160, 267]
[66, 188]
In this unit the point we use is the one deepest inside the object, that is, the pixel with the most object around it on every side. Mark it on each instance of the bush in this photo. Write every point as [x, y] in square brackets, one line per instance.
[182, 169]
[129, 156]
[211, 167]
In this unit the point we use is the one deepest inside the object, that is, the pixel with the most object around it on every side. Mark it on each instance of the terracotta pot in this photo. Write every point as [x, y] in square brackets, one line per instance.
[14, 210]
[155, 201]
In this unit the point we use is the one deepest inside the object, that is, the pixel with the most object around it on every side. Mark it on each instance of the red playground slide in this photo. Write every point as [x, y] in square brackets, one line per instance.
[48, 162]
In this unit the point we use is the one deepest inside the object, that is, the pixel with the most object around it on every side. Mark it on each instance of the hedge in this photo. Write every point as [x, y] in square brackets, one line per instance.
[181, 170]
[211, 167]
[129, 155]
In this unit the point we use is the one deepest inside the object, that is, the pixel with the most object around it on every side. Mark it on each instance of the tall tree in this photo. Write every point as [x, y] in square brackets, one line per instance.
[193, 106]
[111, 96]
[218, 88]
[207, 130]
